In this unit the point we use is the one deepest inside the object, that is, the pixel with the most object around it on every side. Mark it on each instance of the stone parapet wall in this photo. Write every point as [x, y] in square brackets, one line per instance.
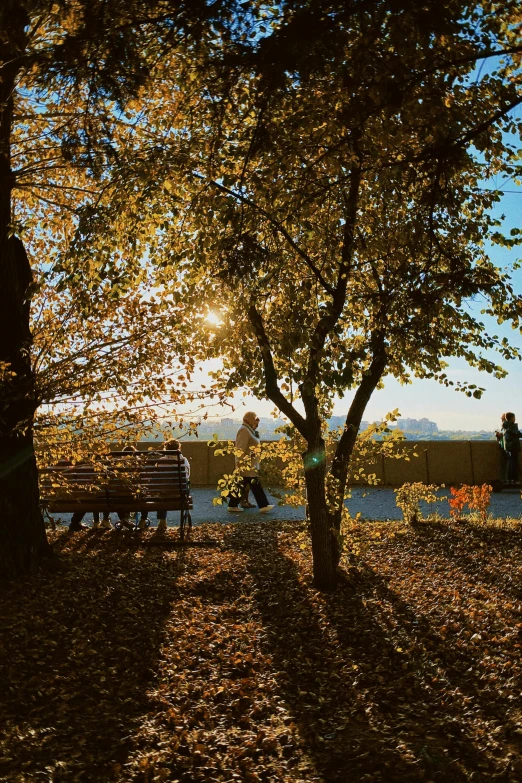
[443, 462]
[437, 462]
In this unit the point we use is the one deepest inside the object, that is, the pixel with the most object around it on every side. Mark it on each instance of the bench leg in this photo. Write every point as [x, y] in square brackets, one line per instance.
[184, 520]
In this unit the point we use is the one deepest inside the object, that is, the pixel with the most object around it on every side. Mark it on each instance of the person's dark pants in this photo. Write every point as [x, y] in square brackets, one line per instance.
[76, 520]
[257, 491]
[512, 468]
[503, 465]
[77, 517]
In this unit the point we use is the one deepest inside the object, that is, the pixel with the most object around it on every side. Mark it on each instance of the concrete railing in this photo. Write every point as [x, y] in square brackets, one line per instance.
[438, 462]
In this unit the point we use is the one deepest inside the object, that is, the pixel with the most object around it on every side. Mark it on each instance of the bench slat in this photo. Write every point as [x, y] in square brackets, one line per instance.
[128, 484]
[119, 492]
[120, 482]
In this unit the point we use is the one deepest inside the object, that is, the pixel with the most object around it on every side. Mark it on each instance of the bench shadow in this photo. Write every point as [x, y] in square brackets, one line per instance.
[365, 708]
[76, 667]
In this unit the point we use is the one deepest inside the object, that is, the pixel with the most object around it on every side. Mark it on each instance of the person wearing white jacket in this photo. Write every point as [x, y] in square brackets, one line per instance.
[246, 439]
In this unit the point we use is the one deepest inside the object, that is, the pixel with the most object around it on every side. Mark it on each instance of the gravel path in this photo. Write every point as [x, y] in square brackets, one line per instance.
[372, 503]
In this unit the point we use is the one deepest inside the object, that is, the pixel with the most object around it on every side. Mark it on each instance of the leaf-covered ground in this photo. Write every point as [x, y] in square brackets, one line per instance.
[128, 661]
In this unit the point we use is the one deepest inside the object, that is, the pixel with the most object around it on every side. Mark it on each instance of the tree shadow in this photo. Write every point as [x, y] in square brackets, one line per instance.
[477, 547]
[366, 708]
[76, 667]
[375, 690]
[436, 685]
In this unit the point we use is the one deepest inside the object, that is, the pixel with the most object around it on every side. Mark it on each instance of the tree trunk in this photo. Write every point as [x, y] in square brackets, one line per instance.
[324, 541]
[23, 542]
[345, 447]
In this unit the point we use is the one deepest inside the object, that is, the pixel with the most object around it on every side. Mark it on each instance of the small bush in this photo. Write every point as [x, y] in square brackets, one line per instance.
[477, 498]
[409, 496]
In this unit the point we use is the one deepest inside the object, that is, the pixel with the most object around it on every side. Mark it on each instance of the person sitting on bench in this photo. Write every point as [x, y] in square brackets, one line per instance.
[76, 521]
[171, 445]
[75, 524]
[124, 516]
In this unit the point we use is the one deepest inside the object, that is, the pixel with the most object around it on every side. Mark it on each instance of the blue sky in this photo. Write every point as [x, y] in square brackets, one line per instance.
[450, 409]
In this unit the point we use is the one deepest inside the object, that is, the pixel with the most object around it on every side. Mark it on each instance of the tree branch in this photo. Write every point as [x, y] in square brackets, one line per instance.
[484, 55]
[277, 225]
[327, 322]
[442, 149]
[366, 388]
[273, 391]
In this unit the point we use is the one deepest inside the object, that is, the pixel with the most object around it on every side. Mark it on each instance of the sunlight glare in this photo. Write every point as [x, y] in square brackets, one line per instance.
[213, 318]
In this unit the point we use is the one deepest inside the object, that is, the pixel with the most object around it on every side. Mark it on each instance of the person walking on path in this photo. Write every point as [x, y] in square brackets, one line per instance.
[511, 443]
[244, 501]
[246, 462]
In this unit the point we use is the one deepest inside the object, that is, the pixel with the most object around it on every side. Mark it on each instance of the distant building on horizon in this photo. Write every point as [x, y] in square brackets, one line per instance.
[420, 426]
[227, 427]
[424, 426]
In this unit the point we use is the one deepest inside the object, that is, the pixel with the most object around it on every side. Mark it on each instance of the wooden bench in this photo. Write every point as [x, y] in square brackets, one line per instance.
[121, 481]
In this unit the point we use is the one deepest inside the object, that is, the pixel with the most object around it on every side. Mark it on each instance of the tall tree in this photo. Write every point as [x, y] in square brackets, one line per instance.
[23, 541]
[71, 64]
[321, 186]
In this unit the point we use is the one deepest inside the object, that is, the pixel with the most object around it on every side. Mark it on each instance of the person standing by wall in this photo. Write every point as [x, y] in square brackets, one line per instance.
[247, 463]
[499, 434]
[511, 442]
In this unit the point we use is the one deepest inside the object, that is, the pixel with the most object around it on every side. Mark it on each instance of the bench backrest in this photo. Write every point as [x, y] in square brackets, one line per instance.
[120, 476]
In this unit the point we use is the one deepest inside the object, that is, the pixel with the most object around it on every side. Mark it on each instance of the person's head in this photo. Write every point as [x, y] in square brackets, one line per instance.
[172, 445]
[251, 418]
[510, 417]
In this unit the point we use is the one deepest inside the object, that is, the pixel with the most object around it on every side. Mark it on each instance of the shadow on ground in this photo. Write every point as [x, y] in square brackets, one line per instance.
[75, 667]
[142, 663]
[376, 691]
